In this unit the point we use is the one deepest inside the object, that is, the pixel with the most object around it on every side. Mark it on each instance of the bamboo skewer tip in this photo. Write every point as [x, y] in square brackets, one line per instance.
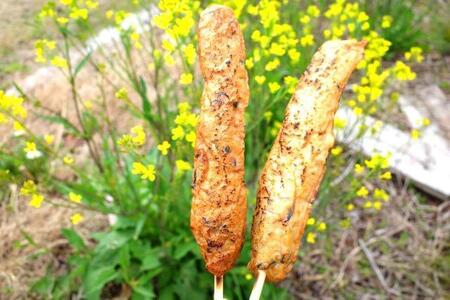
[218, 287]
[259, 284]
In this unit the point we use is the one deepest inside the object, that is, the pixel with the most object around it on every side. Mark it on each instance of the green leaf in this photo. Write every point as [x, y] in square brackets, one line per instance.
[96, 278]
[82, 63]
[184, 249]
[151, 261]
[143, 292]
[44, 286]
[74, 239]
[62, 121]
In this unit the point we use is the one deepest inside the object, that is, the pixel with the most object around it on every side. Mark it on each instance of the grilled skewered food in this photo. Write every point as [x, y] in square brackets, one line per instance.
[291, 177]
[219, 207]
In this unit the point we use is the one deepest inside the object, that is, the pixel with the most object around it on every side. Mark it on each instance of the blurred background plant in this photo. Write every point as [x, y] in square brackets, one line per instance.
[135, 165]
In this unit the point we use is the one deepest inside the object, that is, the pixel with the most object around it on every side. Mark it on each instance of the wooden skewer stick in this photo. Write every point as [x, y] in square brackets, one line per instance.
[257, 288]
[218, 287]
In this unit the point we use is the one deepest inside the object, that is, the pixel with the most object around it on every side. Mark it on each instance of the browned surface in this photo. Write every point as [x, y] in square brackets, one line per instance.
[219, 194]
[296, 163]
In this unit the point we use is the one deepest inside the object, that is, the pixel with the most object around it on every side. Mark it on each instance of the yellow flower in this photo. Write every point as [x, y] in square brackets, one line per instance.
[268, 115]
[164, 147]
[322, 226]
[313, 11]
[62, 20]
[351, 27]
[378, 161]
[294, 55]
[274, 87]
[68, 160]
[146, 172]
[350, 207]
[311, 221]
[249, 63]
[305, 19]
[256, 36]
[76, 218]
[311, 238]
[359, 169]
[340, 123]
[272, 65]
[177, 133]
[365, 26]
[74, 197]
[327, 33]
[186, 78]
[415, 134]
[168, 59]
[135, 37]
[386, 176]
[277, 49]
[248, 276]
[122, 94]
[59, 62]
[30, 147]
[189, 53]
[386, 22]
[377, 205]
[79, 13]
[260, 79]
[36, 200]
[191, 138]
[183, 165]
[381, 194]
[184, 107]
[307, 40]
[425, 122]
[336, 150]
[362, 192]
[138, 138]
[163, 20]
[403, 72]
[368, 204]
[28, 188]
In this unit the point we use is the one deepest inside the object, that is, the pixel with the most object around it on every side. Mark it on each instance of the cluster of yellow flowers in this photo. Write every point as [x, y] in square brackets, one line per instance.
[135, 139]
[186, 122]
[312, 224]
[68, 10]
[146, 171]
[12, 111]
[177, 20]
[29, 188]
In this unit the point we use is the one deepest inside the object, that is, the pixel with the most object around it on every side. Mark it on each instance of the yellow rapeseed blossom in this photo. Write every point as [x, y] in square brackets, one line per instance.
[358, 169]
[380, 194]
[415, 134]
[272, 65]
[350, 207]
[191, 137]
[368, 204]
[415, 53]
[59, 62]
[311, 221]
[336, 150]
[294, 55]
[36, 200]
[177, 133]
[68, 160]
[74, 197]
[49, 138]
[186, 78]
[164, 147]
[62, 20]
[311, 238]
[340, 123]
[425, 122]
[403, 72]
[291, 83]
[305, 19]
[249, 63]
[184, 107]
[378, 161]
[260, 79]
[182, 165]
[362, 192]
[28, 188]
[322, 226]
[307, 40]
[79, 13]
[138, 137]
[31, 150]
[190, 53]
[386, 176]
[386, 21]
[76, 218]
[313, 11]
[146, 171]
[377, 205]
[122, 94]
[274, 87]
